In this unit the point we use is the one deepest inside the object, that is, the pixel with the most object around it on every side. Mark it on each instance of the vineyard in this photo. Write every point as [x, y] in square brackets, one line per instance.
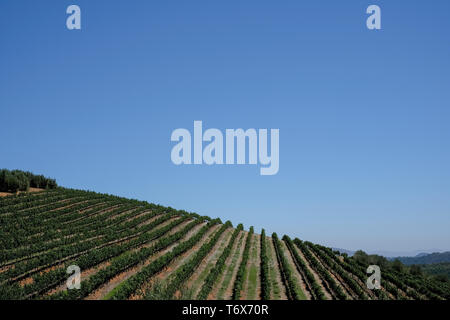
[129, 249]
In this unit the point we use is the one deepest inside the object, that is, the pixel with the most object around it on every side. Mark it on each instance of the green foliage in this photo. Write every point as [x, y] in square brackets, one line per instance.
[187, 269]
[265, 278]
[350, 265]
[45, 237]
[314, 287]
[327, 255]
[415, 270]
[436, 257]
[127, 260]
[442, 278]
[132, 284]
[217, 270]
[16, 180]
[374, 259]
[43, 259]
[316, 265]
[397, 265]
[438, 269]
[411, 280]
[41, 234]
[286, 272]
[159, 288]
[239, 282]
[157, 292]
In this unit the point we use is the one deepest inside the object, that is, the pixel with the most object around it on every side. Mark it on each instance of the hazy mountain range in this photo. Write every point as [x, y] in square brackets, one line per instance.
[396, 254]
[435, 257]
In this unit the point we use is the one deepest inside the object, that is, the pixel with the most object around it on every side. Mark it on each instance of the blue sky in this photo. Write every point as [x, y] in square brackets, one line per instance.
[363, 115]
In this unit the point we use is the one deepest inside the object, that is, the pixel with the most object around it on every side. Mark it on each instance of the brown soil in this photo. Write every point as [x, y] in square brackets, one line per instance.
[25, 282]
[76, 254]
[368, 292]
[253, 261]
[273, 264]
[194, 282]
[215, 290]
[299, 279]
[89, 272]
[333, 275]
[229, 291]
[60, 262]
[318, 279]
[6, 268]
[114, 282]
[60, 203]
[30, 190]
[53, 240]
[66, 206]
[164, 275]
[84, 276]
[101, 207]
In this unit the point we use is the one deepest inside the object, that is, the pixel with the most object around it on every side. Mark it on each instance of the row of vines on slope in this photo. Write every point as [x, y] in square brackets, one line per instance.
[334, 288]
[187, 269]
[129, 286]
[239, 282]
[217, 270]
[314, 287]
[292, 288]
[265, 278]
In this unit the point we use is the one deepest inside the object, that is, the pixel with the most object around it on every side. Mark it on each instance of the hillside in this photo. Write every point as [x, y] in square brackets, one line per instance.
[437, 269]
[129, 249]
[425, 258]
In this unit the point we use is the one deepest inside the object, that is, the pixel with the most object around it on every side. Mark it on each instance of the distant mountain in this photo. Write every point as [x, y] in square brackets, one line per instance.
[412, 253]
[422, 254]
[393, 254]
[424, 258]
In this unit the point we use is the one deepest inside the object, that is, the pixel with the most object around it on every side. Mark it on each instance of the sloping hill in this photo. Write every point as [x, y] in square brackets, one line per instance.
[129, 249]
[437, 269]
[425, 258]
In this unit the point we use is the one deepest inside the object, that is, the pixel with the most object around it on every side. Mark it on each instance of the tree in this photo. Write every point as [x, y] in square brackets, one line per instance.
[12, 181]
[442, 278]
[361, 256]
[22, 179]
[415, 270]
[397, 265]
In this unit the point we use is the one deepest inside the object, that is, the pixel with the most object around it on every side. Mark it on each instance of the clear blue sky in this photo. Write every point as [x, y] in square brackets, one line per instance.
[363, 115]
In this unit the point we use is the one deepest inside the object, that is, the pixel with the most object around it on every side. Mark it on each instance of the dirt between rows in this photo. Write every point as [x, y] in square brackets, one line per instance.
[273, 264]
[84, 213]
[60, 262]
[21, 259]
[254, 261]
[228, 295]
[300, 281]
[213, 295]
[104, 210]
[101, 292]
[333, 276]
[318, 279]
[86, 274]
[30, 190]
[165, 275]
[60, 202]
[194, 282]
